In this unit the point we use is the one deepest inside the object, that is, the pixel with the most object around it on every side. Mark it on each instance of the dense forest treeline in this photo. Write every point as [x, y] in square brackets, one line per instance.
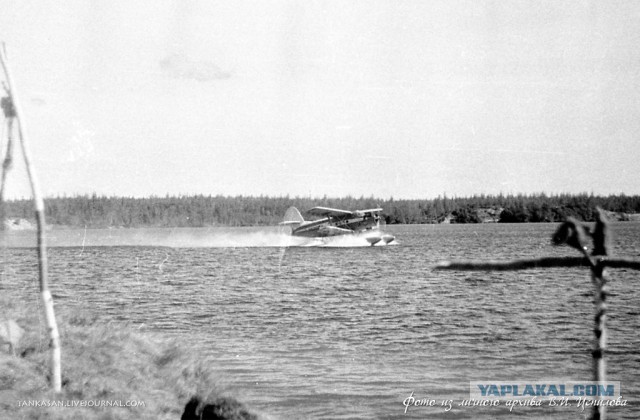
[95, 211]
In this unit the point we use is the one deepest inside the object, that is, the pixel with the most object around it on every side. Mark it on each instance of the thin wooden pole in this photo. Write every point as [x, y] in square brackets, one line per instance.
[45, 293]
[8, 157]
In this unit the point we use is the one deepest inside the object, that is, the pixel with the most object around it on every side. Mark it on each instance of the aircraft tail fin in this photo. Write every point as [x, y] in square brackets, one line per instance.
[292, 216]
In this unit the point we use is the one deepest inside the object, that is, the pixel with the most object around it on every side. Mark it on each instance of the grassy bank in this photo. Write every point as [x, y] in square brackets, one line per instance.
[103, 362]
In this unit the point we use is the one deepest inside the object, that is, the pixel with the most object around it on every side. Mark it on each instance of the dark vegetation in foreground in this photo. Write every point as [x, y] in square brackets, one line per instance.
[196, 211]
[147, 375]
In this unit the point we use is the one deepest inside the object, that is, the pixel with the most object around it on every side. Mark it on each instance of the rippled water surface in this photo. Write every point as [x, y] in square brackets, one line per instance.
[350, 332]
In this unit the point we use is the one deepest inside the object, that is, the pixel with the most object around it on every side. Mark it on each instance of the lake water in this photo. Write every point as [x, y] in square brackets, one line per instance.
[351, 332]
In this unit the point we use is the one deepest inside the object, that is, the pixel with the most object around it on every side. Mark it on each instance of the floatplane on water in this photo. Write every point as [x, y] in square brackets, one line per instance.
[335, 222]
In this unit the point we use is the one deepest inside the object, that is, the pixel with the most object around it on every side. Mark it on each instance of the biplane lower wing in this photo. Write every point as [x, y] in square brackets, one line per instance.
[333, 231]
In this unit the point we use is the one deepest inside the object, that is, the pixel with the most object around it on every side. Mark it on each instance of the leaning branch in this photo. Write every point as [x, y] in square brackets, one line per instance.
[45, 293]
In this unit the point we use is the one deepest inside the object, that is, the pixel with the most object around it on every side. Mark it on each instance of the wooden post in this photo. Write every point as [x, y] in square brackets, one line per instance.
[600, 332]
[45, 293]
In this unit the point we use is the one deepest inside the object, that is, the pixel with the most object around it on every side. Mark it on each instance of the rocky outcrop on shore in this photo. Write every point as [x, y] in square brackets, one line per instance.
[476, 215]
[622, 217]
[498, 215]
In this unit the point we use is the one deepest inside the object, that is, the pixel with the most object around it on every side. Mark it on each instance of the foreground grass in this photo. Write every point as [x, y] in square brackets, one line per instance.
[102, 362]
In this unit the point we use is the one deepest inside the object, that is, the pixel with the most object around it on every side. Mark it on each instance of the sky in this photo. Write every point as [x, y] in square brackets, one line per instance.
[384, 98]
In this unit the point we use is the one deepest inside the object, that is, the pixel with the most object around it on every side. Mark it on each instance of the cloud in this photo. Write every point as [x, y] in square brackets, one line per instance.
[181, 67]
[38, 100]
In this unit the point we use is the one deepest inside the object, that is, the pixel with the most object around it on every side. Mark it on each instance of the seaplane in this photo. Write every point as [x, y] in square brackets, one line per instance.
[335, 222]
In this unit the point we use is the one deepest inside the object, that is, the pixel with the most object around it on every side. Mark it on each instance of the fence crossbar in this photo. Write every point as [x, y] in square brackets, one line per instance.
[545, 262]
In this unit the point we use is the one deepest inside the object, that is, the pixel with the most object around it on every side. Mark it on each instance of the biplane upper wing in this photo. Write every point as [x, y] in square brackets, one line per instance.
[329, 212]
[326, 212]
[370, 211]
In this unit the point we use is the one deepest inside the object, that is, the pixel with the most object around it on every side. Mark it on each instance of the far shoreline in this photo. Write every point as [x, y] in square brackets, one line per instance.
[93, 211]
[21, 224]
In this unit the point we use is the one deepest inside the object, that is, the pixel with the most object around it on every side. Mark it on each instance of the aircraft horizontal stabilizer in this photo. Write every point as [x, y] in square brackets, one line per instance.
[289, 222]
